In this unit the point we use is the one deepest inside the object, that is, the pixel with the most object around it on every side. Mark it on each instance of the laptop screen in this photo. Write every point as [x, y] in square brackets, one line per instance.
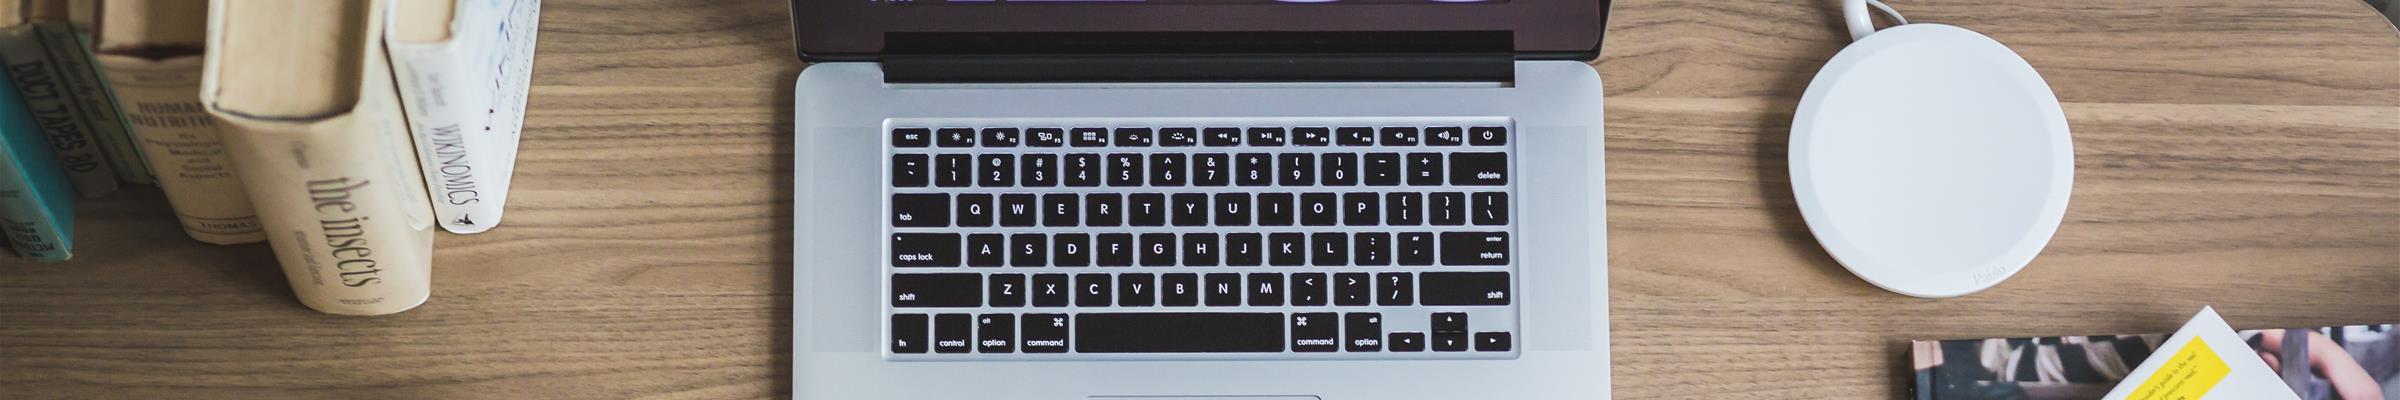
[866, 29]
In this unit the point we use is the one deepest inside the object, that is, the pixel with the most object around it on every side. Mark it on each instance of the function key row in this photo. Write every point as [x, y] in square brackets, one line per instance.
[1193, 137]
[1201, 169]
[1263, 289]
[1321, 332]
[942, 210]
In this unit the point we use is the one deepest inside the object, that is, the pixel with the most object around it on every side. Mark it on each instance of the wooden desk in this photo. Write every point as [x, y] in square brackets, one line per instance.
[2238, 153]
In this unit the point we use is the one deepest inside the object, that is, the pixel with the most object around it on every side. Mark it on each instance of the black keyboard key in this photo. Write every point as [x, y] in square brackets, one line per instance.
[1408, 342]
[1125, 170]
[1092, 290]
[1478, 169]
[1051, 290]
[974, 210]
[1316, 332]
[1018, 210]
[1447, 208]
[987, 250]
[1449, 322]
[996, 334]
[1487, 136]
[1445, 136]
[1449, 341]
[1395, 288]
[1088, 137]
[1221, 137]
[1329, 249]
[1148, 209]
[1002, 137]
[1266, 289]
[1178, 137]
[1179, 333]
[1103, 209]
[1371, 249]
[1212, 169]
[1233, 209]
[1361, 209]
[1381, 169]
[1287, 249]
[1157, 249]
[1223, 290]
[937, 290]
[1200, 249]
[1253, 169]
[1135, 137]
[1188, 209]
[1245, 249]
[1463, 288]
[1028, 250]
[955, 137]
[1275, 209]
[1267, 137]
[1353, 289]
[928, 210]
[924, 250]
[1404, 209]
[1415, 249]
[1071, 250]
[1400, 136]
[1061, 209]
[1045, 137]
[1179, 290]
[1362, 332]
[1474, 248]
[1038, 170]
[1296, 169]
[1491, 341]
[1136, 290]
[953, 333]
[1308, 289]
[1044, 333]
[1083, 170]
[1339, 169]
[1311, 136]
[1424, 169]
[1005, 290]
[1319, 209]
[909, 170]
[1491, 208]
[908, 333]
[953, 170]
[912, 137]
[1114, 249]
[1167, 169]
[1355, 136]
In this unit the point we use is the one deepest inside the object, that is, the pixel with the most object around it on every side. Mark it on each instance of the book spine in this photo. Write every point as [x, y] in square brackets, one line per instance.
[62, 122]
[465, 100]
[35, 209]
[70, 50]
[342, 207]
[161, 100]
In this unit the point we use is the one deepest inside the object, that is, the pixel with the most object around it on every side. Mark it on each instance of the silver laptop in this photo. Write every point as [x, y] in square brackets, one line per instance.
[1199, 199]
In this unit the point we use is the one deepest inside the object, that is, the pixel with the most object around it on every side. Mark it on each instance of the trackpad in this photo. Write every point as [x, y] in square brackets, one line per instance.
[1204, 398]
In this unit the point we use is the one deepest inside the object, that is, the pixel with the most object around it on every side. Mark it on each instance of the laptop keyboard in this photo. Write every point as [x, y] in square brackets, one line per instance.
[1169, 239]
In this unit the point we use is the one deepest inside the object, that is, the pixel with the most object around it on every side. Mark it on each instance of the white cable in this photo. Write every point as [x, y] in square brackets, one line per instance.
[1861, 24]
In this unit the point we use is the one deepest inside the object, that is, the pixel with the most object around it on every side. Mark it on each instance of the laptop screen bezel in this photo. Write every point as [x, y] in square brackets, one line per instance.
[855, 30]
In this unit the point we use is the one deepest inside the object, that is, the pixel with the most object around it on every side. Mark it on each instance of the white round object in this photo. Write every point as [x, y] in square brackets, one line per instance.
[1931, 160]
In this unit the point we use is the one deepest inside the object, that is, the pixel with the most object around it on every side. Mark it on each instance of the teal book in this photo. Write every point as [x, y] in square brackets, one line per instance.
[37, 207]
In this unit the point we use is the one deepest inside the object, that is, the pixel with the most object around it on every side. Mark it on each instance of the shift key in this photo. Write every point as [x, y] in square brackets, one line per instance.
[925, 250]
[937, 290]
[1463, 288]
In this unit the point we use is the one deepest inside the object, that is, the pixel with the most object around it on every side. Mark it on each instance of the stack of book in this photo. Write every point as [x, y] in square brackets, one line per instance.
[340, 132]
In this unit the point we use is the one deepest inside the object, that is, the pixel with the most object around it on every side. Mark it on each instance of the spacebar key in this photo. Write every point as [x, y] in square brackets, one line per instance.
[1179, 333]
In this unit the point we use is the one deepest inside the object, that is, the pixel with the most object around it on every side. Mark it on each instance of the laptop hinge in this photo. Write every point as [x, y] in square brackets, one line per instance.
[1496, 67]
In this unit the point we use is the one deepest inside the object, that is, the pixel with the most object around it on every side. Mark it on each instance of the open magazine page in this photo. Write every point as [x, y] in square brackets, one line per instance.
[2357, 362]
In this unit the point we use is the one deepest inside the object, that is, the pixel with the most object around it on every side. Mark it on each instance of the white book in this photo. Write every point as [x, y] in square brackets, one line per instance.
[463, 68]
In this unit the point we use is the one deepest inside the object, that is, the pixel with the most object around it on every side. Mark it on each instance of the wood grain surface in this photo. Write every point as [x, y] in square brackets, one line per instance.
[2244, 154]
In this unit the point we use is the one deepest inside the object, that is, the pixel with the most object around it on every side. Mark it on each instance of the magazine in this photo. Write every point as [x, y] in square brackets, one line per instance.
[2355, 362]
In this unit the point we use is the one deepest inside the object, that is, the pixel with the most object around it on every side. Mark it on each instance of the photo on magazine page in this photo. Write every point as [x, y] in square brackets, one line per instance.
[2357, 362]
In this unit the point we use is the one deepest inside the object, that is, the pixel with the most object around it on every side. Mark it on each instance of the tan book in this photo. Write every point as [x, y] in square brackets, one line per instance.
[151, 51]
[304, 97]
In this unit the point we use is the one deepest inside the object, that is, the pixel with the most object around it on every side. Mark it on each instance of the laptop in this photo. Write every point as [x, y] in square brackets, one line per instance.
[1199, 199]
